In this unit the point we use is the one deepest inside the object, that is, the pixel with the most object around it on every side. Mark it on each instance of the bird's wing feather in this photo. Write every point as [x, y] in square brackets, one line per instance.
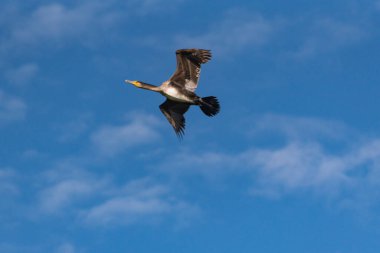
[174, 112]
[189, 67]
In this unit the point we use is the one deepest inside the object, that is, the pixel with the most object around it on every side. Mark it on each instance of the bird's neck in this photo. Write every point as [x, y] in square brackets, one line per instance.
[148, 86]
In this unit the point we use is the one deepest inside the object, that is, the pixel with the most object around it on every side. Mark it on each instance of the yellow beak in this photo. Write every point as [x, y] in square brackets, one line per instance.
[135, 83]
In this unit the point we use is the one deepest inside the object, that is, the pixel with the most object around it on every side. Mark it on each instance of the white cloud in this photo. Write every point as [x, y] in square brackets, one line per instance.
[211, 165]
[304, 163]
[64, 193]
[66, 248]
[22, 74]
[110, 140]
[11, 108]
[313, 34]
[299, 128]
[17, 248]
[55, 25]
[328, 34]
[126, 210]
[67, 186]
[8, 186]
[239, 30]
[99, 200]
[149, 6]
[139, 201]
[347, 179]
[56, 21]
[299, 166]
[75, 128]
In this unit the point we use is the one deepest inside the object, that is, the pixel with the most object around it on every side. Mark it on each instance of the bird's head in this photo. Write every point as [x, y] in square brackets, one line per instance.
[135, 83]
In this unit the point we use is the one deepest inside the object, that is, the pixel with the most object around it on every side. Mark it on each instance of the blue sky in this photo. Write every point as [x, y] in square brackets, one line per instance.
[89, 164]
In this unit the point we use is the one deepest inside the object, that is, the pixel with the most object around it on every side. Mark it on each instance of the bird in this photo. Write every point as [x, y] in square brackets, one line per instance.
[179, 89]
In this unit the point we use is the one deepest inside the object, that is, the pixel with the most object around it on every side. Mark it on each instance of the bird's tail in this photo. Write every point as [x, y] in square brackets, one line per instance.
[209, 105]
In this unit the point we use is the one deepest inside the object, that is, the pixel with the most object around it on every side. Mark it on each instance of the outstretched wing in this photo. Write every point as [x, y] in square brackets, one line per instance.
[189, 67]
[174, 112]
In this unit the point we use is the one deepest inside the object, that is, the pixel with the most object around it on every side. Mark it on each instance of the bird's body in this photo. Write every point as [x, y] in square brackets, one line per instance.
[179, 90]
[176, 93]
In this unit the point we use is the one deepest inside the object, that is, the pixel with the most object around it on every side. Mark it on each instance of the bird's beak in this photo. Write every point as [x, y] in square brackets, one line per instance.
[135, 83]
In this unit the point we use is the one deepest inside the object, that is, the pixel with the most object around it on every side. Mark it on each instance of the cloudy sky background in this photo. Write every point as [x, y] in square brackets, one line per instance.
[89, 164]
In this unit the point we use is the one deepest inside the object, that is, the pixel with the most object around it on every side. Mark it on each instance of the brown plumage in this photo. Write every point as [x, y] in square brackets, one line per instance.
[179, 90]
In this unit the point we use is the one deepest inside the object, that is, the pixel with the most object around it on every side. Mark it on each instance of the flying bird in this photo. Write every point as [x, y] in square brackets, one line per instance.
[179, 90]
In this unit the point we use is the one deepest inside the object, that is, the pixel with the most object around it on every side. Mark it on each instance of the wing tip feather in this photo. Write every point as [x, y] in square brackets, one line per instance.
[203, 55]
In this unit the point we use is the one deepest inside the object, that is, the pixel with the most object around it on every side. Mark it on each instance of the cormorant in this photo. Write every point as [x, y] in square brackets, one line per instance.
[179, 89]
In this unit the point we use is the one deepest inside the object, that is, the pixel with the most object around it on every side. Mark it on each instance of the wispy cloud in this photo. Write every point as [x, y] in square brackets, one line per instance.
[328, 34]
[70, 182]
[149, 6]
[97, 199]
[244, 30]
[304, 163]
[35, 247]
[8, 186]
[348, 179]
[238, 30]
[11, 108]
[62, 194]
[138, 201]
[209, 164]
[110, 140]
[17, 248]
[66, 248]
[298, 128]
[57, 22]
[22, 74]
[67, 186]
[296, 167]
[75, 128]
